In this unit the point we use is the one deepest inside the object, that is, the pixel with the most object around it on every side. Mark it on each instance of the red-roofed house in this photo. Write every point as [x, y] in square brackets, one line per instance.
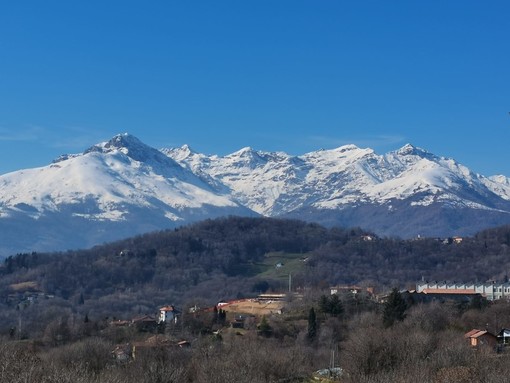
[145, 323]
[479, 338]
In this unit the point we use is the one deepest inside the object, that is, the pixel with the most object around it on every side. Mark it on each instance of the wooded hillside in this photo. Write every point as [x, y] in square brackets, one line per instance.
[228, 258]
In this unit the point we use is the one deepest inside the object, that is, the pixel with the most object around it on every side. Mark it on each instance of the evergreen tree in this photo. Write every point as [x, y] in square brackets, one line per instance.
[394, 308]
[264, 328]
[215, 315]
[478, 302]
[324, 305]
[222, 316]
[312, 324]
[336, 306]
[332, 305]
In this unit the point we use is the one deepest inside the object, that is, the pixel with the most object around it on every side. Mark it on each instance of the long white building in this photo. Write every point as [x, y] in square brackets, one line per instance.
[490, 290]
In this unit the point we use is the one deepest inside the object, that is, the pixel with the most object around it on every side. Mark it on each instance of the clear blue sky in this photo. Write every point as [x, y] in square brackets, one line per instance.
[293, 76]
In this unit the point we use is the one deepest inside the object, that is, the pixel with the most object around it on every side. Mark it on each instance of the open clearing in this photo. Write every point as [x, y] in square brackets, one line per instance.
[253, 307]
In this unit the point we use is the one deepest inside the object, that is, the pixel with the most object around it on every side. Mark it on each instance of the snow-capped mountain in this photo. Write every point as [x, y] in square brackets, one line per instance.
[256, 179]
[406, 192]
[112, 190]
[276, 183]
[123, 187]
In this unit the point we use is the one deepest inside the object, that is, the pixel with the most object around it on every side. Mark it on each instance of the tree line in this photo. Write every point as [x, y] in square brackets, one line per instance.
[371, 342]
[219, 259]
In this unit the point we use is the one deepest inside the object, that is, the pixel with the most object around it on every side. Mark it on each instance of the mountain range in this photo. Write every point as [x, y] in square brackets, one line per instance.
[122, 187]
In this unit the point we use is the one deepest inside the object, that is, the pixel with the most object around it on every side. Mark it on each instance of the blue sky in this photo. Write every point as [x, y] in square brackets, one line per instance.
[294, 76]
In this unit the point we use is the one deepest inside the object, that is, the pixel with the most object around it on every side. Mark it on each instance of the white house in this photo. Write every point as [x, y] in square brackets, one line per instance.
[504, 336]
[167, 314]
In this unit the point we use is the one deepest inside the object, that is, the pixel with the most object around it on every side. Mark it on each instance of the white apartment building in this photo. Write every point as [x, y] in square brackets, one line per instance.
[490, 290]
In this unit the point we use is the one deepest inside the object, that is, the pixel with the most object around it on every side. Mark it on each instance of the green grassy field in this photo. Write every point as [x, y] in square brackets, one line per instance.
[290, 263]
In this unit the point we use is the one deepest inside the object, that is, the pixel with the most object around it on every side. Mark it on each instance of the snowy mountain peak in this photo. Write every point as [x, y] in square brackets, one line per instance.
[247, 157]
[347, 148]
[132, 147]
[340, 149]
[123, 142]
[187, 148]
[409, 149]
[342, 154]
[244, 152]
[179, 154]
[409, 153]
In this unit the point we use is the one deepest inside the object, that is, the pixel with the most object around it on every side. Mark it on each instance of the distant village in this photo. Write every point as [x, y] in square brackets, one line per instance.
[243, 311]
[246, 313]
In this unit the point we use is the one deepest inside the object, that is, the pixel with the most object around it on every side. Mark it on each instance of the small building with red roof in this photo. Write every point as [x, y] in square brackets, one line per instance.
[479, 338]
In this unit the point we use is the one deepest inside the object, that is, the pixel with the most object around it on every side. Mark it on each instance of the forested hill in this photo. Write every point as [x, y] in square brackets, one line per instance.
[232, 257]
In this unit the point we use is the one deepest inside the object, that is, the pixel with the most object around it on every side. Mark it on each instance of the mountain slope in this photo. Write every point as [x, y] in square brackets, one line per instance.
[406, 192]
[123, 187]
[114, 189]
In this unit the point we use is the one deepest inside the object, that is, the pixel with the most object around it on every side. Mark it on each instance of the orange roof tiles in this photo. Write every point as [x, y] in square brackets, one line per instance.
[479, 333]
[475, 333]
[471, 333]
[448, 291]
